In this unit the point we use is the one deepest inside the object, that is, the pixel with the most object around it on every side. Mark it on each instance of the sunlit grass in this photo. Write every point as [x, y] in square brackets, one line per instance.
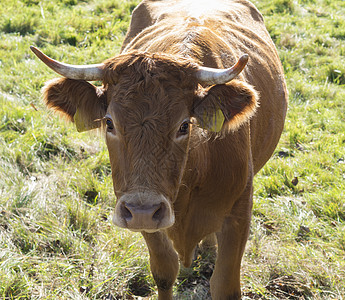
[56, 194]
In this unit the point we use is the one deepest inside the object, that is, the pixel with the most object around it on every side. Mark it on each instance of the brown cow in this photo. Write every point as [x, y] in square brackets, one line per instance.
[184, 142]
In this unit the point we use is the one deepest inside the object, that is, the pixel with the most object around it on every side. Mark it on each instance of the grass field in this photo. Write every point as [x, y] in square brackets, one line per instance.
[56, 238]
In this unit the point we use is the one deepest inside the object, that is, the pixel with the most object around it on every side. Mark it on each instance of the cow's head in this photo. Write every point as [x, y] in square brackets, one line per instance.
[150, 106]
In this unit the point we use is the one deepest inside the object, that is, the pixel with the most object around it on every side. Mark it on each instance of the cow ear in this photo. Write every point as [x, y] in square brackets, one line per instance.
[225, 107]
[77, 100]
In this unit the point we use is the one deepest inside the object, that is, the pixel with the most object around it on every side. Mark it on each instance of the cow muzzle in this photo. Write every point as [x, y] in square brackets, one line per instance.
[143, 211]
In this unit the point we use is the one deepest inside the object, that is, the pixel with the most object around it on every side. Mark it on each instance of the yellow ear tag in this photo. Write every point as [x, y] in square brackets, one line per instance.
[215, 122]
[79, 123]
[218, 121]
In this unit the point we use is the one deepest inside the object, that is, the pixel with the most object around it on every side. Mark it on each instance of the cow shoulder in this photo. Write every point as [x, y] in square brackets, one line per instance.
[143, 16]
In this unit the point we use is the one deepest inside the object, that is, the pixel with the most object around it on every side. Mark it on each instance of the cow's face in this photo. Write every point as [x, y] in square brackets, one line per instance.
[148, 149]
[148, 124]
[151, 106]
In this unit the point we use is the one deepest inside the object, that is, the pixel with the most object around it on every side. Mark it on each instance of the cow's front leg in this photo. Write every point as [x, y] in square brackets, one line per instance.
[163, 261]
[225, 281]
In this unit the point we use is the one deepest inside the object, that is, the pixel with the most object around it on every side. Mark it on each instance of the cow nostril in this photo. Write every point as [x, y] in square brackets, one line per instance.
[126, 213]
[159, 213]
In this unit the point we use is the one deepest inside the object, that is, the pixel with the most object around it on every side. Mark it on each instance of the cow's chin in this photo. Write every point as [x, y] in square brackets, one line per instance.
[148, 230]
[143, 211]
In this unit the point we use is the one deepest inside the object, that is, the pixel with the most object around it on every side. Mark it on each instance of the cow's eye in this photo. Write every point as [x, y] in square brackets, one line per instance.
[184, 128]
[110, 125]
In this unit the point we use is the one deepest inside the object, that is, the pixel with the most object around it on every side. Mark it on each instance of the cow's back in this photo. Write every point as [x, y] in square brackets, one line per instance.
[215, 36]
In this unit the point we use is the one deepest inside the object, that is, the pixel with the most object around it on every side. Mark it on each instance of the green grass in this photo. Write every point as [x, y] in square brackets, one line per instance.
[56, 197]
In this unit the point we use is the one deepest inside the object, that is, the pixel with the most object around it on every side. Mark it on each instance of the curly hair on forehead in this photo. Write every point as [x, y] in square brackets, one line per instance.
[136, 66]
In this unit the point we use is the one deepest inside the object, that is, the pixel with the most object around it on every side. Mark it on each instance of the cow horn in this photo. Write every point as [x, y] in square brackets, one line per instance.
[221, 76]
[87, 72]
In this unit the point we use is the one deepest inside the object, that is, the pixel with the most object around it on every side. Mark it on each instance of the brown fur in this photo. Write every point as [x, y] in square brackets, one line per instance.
[67, 95]
[150, 89]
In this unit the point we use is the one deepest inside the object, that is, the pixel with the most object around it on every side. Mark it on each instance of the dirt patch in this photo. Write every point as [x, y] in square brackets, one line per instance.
[287, 287]
[139, 285]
